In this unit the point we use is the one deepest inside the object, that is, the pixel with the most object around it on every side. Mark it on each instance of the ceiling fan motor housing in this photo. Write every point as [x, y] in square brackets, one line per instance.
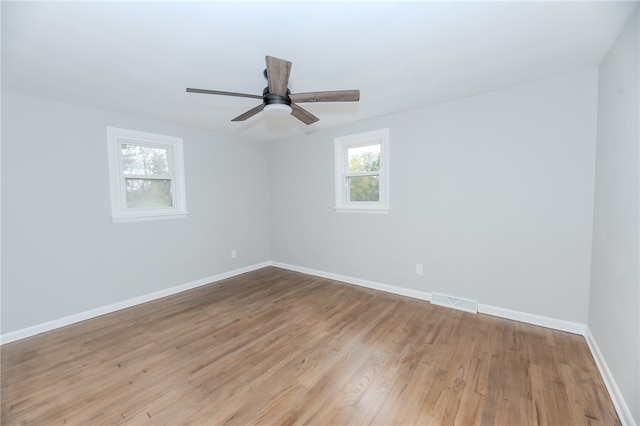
[271, 98]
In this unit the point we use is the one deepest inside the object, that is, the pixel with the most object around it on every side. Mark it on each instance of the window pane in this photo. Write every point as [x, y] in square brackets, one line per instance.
[364, 188]
[144, 160]
[364, 158]
[148, 193]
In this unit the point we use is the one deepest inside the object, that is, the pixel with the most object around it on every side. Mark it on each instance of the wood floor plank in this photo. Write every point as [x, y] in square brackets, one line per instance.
[280, 347]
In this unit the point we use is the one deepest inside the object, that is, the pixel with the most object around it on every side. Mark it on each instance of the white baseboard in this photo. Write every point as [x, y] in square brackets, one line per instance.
[422, 295]
[553, 323]
[614, 392]
[82, 316]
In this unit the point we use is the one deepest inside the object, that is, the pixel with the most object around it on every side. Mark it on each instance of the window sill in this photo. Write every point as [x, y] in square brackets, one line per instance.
[361, 210]
[148, 216]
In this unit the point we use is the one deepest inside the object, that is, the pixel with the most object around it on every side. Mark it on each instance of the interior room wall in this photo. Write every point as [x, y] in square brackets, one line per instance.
[492, 194]
[62, 254]
[614, 302]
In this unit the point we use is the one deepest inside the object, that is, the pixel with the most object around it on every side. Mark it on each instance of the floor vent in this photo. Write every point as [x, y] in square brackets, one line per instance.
[454, 302]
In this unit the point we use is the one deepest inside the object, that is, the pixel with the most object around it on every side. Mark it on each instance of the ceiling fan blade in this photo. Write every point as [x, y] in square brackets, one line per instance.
[333, 96]
[218, 92]
[303, 115]
[278, 71]
[250, 113]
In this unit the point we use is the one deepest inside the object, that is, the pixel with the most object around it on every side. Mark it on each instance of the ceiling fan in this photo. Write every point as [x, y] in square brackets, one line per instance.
[277, 99]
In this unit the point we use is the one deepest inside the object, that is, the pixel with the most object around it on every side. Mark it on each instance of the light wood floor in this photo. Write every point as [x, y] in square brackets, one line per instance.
[279, 347]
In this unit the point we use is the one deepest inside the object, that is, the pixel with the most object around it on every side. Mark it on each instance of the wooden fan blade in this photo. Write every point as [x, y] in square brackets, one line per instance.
[334, 96]
[278, 71]
[303, 115]
[250, 113]
[217, 92]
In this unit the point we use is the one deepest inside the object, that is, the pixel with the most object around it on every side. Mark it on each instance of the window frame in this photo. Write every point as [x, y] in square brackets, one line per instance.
[117, 178]
[341, 146]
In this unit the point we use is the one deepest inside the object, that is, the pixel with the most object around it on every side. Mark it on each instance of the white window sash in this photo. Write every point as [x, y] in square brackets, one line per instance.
[358, 174]
[150, 177]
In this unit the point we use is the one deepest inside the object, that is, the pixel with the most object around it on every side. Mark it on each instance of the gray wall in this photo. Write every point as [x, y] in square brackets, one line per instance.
[614, 303]
[61, 253]
[493, 194]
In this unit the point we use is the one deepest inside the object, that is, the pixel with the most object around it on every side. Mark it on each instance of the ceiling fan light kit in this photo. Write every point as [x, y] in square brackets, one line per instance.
[277, 110]
[277, 99]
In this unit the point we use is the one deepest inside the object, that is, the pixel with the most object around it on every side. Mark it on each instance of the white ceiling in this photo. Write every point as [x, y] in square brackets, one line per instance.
[138, 57]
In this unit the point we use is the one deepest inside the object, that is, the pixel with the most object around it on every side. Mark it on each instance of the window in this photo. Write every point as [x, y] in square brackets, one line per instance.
[147, 175]
[362, 172]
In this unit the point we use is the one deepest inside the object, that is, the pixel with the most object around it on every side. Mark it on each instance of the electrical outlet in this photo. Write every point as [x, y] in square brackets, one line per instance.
[419, 269]
[234, 253]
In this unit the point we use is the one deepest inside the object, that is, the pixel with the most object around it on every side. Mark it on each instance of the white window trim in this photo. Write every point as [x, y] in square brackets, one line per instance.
[119, 210]
[342, 144]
